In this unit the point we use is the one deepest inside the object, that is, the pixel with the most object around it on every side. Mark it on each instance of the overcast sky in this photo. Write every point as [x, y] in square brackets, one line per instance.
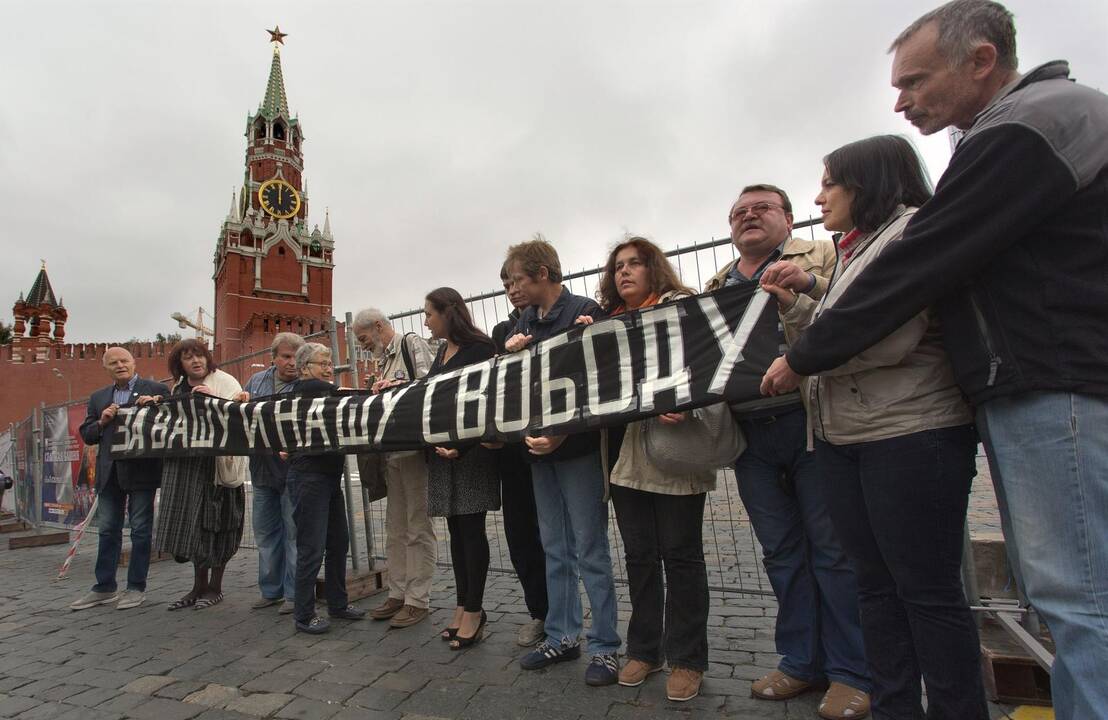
[438, 133]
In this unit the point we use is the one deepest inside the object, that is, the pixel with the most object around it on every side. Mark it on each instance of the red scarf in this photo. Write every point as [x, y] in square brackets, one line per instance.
[847, 245]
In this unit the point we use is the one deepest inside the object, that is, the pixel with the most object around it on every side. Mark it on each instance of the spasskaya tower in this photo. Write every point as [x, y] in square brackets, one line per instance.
[272, 274]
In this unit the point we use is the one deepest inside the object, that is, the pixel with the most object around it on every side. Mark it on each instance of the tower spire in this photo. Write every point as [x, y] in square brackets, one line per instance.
[327, 223]
[275, 103]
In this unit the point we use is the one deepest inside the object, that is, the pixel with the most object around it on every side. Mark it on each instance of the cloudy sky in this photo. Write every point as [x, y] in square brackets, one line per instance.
[437, 133]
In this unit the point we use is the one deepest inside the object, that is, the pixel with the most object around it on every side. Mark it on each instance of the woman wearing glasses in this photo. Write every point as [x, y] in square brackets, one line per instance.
[895, 444]
[314, 485]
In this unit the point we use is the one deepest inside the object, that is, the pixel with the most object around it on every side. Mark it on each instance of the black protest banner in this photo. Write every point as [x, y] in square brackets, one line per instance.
[681, 355]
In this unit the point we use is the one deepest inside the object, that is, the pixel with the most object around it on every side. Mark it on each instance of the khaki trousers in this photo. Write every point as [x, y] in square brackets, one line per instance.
[410, 537]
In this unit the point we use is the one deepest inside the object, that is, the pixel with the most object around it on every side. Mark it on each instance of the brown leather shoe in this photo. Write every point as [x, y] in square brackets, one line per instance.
[635, 672]
[387, 609]
[683, 684]
[778, 686]
[409, 615]
[842, 702]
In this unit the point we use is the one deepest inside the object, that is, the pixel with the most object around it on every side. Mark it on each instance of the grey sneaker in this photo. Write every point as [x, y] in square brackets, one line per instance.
[531, 633]
[286, 608]
[92, 599]
[130, 599]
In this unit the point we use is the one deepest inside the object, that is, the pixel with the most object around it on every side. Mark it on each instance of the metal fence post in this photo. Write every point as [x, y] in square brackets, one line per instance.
[348, 486]
[351, 359]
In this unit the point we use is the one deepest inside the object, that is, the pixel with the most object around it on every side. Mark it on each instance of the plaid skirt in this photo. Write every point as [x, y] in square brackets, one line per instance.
[198, 520]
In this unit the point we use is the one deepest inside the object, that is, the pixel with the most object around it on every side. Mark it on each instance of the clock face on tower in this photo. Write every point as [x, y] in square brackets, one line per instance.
[279, 199]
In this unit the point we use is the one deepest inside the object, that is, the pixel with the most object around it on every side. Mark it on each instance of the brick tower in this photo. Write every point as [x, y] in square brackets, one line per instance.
[272, 274]
[34, 315]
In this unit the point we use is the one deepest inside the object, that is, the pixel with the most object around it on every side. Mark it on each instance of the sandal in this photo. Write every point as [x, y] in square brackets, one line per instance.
[203, 603]
[460, 642]
[185, 602]
[448, 634]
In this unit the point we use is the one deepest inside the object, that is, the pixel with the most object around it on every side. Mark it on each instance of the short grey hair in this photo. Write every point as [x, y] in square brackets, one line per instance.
[290, 339]
[308, 351]
[964, 23]
[368, 317]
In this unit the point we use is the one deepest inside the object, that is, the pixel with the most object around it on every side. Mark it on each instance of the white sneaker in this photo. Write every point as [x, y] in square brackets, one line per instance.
[130, 599]
[530, 633]
[92, 599]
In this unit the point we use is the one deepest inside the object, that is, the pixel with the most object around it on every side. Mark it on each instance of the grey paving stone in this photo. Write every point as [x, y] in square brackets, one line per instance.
[92, 697]
[404, 681]
[63, 691]
[148, 684]
[354, 674]
[180, 690]
[122, 703]
[213, 696]
[438, 696]
[222, 714]
[260, 704]
[164, 709]
[358, 713]
[45, 711]
[35, 688]
[377, 699]
[273, 683]
[325, 691]
[102, 678]
[307, 709]
[11, 706]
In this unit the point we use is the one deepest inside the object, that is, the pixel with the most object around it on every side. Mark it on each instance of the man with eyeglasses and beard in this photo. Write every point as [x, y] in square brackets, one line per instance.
[818, 633]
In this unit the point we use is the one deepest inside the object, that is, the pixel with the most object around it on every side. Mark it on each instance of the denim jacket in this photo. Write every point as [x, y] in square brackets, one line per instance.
[266, 470]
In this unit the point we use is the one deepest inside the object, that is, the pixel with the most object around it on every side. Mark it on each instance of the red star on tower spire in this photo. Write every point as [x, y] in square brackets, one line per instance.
[276, 36]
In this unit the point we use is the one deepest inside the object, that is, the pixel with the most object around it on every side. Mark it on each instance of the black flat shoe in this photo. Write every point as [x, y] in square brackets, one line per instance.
[460, 642]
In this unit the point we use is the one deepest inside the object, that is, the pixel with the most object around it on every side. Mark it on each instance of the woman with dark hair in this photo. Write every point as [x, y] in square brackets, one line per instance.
[200, 509]
[660, 516]
[895, 441]
[462, 480]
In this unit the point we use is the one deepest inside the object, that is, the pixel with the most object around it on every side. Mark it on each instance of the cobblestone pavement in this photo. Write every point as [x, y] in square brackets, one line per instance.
[232, 662]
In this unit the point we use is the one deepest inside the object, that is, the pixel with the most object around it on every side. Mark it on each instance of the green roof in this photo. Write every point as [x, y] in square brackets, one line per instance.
[41, 292]
[275, 103]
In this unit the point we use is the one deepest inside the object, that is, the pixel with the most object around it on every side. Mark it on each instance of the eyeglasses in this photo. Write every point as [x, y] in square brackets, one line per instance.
[323, 364]
[758, 209]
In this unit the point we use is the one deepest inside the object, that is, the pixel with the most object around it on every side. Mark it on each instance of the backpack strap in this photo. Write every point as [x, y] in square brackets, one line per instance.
[406, 354]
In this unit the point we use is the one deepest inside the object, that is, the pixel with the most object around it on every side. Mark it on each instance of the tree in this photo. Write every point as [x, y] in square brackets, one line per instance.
[5, 333]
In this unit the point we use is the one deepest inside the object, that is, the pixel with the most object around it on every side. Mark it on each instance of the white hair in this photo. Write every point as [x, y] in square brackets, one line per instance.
[308, 351]
[290, 339]
[369, 316]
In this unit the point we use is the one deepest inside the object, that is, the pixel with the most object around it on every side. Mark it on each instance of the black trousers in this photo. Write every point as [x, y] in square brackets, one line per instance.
[899, 508]
[319, 511]
[670, 621]
[469, 553]
[521, 527]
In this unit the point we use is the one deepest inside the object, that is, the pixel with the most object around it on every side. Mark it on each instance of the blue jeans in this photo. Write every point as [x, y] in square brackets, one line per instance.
[573, 523]
[1048, 452]
[319, 509]
[899, 506]
[275, 534]
[109, 522]
[818, 632]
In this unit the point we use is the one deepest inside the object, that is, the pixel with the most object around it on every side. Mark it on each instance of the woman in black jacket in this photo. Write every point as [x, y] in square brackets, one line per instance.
[462, 480]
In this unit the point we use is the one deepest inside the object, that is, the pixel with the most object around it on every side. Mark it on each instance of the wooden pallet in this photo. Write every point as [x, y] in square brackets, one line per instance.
[1011, 675]
[369, 582]
[60, 537]
[14, 527]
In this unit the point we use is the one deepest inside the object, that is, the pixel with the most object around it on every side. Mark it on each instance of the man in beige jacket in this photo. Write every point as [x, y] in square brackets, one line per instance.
[410, 537]
[818, 633]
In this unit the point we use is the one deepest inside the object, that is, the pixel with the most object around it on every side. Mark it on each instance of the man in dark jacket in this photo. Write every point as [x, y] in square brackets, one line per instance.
[569, 486]
[1013, 253]
[119, 483]
[274, 527]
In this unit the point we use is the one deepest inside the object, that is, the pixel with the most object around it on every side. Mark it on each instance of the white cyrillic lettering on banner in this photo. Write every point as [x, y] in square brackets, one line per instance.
[388, 401]
[549, 386]
[159, 427]
[314, 422]
[626, 396]
[223, 415]
[179, 431]
[253, 423]
[135, 439]
[731, 345]
[428, 400]
[477, 395]
[280, 417]
[678, 378]
[524, 360]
